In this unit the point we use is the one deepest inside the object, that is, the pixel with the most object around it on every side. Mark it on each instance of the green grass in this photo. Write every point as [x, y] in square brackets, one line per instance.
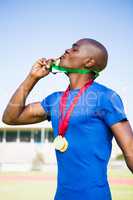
[121, 192]
[44, 190]
[120, 173]
[27, 191]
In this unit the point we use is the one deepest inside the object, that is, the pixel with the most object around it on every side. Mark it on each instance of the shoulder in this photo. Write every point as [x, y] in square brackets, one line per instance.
[106, 95]
[53, 96]
[50, 100]
[102, 88]
[104, 91]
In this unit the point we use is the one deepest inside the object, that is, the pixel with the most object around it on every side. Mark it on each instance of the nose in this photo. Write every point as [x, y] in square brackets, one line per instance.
[68, 51]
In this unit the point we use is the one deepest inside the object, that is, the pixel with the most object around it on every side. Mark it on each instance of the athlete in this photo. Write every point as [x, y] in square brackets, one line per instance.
[84, 118]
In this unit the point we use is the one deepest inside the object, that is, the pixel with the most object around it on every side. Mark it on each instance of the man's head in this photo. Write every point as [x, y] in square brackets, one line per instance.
[85, 53]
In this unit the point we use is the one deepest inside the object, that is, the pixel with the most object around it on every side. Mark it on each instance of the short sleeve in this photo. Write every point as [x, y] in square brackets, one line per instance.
[113, 109]
[45, 103]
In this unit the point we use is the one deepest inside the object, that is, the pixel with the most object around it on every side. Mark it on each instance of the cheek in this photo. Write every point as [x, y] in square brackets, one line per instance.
[76, 61]
[72, 61]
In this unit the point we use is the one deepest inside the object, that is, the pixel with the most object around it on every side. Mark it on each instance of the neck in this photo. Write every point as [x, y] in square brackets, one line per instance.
[78, 80]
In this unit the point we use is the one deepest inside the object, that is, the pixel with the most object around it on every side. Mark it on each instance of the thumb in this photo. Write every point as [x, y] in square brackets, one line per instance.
[49, 62]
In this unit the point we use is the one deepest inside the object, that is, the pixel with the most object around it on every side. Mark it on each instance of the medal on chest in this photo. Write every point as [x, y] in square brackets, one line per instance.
[60, 142]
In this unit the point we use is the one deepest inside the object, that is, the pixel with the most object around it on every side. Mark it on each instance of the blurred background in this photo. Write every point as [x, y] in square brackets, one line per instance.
[32, 29]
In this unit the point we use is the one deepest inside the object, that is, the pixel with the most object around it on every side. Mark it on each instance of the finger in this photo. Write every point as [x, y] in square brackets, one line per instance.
[43, 60]
[45, 69]
[41, 63]
[49, 61]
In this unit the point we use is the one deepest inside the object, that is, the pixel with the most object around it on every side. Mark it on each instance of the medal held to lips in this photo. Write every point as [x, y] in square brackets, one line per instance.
[54, 66]
[60, 143]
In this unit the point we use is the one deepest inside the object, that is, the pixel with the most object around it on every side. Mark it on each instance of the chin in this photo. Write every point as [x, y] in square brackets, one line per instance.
[64, 63]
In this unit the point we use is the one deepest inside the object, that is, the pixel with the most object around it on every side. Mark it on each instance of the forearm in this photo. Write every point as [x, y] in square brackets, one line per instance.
[17, 102]
[129, 162]
[129, 156]
[124, 136]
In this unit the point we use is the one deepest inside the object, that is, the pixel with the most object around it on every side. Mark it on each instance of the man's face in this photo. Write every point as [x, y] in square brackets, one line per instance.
[76, 56]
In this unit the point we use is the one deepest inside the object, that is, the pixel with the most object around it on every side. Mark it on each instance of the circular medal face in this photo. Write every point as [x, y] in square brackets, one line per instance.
[60, 143]
[57, 61]
[65, 146]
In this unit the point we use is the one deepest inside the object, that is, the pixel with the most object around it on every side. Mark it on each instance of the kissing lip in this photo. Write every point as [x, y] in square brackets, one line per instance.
[64, 55]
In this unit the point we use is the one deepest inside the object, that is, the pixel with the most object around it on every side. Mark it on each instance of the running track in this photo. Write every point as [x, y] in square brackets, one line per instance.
[112, 181]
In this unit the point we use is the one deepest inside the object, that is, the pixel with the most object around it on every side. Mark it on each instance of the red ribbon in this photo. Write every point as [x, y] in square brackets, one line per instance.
[64, 120]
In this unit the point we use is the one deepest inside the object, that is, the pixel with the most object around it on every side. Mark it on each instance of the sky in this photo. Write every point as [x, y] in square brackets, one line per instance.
[31, 29]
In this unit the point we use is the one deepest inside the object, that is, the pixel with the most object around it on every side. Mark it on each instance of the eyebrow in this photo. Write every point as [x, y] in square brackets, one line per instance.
[75, 45]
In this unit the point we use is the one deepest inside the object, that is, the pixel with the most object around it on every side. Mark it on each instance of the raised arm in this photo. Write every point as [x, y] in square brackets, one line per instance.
[16, 112]
[124, 136]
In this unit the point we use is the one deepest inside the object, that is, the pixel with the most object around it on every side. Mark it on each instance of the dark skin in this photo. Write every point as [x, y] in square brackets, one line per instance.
[85, 53]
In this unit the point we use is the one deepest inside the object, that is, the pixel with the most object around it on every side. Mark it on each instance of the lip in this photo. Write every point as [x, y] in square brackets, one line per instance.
[64, 56]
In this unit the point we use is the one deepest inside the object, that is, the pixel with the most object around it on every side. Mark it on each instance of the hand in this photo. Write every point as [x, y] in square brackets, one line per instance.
[40, 69]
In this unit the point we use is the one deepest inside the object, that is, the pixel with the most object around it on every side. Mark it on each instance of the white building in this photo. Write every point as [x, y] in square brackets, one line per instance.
[26, 148]
[30, 148]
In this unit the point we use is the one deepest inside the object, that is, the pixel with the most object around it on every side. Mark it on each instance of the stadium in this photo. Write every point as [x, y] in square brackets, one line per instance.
[21, 148]
[34, 29]
[28, 163]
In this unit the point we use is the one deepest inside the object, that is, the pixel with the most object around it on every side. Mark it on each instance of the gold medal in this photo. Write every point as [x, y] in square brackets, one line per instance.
[60, 143]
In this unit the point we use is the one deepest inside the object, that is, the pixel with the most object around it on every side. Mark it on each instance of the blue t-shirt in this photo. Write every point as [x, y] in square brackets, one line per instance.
[82, 169]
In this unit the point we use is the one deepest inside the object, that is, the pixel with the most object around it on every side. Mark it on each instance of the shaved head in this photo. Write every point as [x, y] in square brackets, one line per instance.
[95, 51]
[85, 53]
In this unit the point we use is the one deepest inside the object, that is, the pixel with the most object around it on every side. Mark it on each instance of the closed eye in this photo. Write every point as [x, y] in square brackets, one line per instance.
[75, 47]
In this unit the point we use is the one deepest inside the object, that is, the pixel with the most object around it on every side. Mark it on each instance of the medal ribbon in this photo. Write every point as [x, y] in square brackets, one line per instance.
[74, 70]
[64, 120]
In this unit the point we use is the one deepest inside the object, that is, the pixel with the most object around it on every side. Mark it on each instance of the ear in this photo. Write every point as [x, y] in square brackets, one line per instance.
[90, 63]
